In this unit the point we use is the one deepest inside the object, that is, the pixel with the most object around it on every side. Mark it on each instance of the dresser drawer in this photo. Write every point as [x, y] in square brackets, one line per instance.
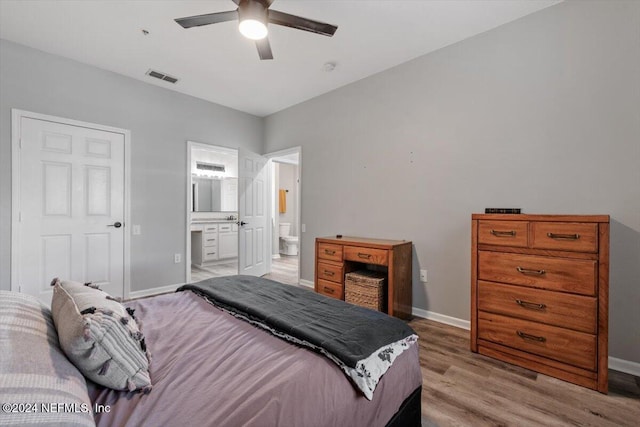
[503, 233]
[209, 239]
[330, 289]
[555, 308]
[565, 236]
[366, 255]
[210, 227]
[572, 347]
[331, 272]
[330, 252]
[559, 274]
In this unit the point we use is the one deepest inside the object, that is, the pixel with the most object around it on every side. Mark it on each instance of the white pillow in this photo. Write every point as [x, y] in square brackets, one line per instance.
[100, 336]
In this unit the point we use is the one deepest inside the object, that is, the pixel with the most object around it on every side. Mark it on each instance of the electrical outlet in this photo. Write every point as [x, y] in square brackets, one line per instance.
[136, 229]
[423, 276]
[177, 258]
[304, 228]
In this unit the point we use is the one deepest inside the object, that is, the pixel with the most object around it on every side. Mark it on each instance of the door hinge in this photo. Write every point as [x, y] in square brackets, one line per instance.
[20, 288]
[20, 216]
[20, 143]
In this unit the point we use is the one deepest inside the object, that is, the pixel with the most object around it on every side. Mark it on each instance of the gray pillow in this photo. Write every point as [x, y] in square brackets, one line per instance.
[100, 336]
[38, 384]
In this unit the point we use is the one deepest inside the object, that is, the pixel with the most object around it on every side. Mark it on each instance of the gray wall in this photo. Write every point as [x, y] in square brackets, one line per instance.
[542, 114]
[160, 121]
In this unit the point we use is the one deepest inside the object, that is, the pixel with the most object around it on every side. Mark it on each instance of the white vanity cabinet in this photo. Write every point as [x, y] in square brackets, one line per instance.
[212, 241]
[204, 243]
[227, 240]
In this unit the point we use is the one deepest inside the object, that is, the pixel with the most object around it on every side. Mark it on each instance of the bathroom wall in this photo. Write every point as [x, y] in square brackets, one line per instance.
[288, 177]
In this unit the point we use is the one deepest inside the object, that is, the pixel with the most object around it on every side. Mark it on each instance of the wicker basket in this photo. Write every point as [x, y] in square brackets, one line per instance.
[365, 288]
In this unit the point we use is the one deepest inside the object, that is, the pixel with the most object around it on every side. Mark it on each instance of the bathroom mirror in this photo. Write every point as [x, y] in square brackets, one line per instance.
[214, 194]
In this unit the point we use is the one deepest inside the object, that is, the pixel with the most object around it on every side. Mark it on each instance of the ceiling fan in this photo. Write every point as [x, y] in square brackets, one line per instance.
[253, 16]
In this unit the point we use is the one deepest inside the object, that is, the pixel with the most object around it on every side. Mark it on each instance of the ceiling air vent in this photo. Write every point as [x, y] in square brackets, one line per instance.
[161, 76]
[212, 167]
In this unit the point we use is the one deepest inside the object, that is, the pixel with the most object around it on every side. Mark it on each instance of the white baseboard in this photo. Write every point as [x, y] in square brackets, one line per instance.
[275, 256]
[154, 291]
[625, 366]
[307, 283]
[447, 320]
[615, 364]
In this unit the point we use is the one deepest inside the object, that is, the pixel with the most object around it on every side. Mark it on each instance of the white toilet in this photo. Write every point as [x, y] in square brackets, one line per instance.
[288, 244]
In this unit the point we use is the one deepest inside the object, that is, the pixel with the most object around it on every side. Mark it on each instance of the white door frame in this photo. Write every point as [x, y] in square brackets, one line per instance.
[190, 146]
[16, 118]
[270, 156]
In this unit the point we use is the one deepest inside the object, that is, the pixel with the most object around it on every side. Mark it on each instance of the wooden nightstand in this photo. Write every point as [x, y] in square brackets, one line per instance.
[336, 257]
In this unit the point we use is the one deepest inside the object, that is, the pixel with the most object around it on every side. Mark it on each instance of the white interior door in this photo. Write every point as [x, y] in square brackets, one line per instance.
[252, 214]
[71, 207]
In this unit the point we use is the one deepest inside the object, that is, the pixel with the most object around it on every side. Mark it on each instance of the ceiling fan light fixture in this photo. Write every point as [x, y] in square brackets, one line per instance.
[253, 29]
[253, 19]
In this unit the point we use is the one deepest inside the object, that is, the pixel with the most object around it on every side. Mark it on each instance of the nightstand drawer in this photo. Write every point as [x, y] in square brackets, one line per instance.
[559, 274]
[503, 233]
[554, 308]
[563, 345]
[366, 255]
[565, 236]
[330, 289]
[330, 252]
[331, 272]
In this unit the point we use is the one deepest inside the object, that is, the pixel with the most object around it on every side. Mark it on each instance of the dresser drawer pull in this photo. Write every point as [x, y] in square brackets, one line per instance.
[365, 256]
[497, 233]
[530, 337]
[328, 289]
[328, 252]
[211, 240]
[329, 273]
[563, 236]
[529, 271]
[533, 305]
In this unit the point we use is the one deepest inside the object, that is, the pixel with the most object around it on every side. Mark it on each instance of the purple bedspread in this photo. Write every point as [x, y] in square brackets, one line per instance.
[211, 369]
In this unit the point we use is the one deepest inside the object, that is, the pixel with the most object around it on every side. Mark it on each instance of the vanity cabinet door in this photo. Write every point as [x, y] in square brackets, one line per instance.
[227, 245]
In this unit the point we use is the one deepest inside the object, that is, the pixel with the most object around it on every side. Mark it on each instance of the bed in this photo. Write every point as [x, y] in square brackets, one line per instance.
[211, 366]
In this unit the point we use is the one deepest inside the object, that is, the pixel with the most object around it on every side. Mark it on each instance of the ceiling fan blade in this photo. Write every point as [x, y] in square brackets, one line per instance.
[264, 49]
[300, 23]
[209, 18]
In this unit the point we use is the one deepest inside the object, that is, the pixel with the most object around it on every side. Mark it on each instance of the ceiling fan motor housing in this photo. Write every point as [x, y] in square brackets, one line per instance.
[248, 9]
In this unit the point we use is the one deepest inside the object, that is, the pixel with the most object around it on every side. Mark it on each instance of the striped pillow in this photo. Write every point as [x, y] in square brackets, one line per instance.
[100, 336]
[38, 384]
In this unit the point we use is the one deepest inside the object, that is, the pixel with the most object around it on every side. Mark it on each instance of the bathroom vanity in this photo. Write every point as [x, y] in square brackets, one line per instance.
[213, 240]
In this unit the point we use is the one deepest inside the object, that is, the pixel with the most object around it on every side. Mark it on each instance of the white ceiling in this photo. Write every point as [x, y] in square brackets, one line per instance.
[217, 64]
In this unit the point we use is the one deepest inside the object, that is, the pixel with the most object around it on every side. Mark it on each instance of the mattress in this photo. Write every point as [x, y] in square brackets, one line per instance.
[209, 368]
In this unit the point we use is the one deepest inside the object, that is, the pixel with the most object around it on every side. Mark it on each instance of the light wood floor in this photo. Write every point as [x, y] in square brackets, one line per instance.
[283, 269]
[461, 388]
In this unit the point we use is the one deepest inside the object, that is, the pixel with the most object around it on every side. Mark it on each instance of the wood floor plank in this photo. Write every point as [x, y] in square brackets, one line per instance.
[461, 388]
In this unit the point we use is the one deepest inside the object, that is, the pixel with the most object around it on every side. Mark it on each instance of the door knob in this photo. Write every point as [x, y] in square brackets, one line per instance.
[116, 224]
[241, 223]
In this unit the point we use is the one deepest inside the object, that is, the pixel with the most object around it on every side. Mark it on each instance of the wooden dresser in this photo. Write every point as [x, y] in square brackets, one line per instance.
[540, 293]
[336, 257]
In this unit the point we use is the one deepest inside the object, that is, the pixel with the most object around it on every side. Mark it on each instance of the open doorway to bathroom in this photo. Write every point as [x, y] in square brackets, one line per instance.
[212, 212]
[285, 216]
